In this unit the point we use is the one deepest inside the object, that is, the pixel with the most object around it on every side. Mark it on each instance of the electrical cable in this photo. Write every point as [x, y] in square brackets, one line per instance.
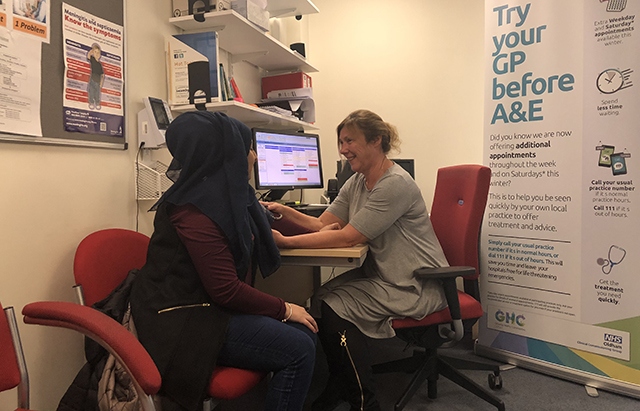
[138, 185]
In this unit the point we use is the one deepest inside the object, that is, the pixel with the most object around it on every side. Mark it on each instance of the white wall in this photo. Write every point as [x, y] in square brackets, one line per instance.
[415, 62]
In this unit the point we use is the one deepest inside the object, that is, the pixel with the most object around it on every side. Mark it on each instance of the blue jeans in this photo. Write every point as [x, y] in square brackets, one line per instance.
[94, 93]
[288, 349]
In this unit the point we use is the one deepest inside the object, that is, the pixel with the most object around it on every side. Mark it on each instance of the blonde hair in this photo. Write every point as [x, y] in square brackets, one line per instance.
[373, 127]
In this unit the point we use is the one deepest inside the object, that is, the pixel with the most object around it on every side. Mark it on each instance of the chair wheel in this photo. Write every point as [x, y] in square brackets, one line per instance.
[495, 381]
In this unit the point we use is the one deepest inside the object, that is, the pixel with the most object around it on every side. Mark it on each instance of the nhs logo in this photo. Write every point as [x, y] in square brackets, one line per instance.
[612, 338]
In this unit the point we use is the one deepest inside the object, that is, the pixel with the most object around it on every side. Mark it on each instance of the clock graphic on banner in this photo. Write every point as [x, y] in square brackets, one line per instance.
[612, 80]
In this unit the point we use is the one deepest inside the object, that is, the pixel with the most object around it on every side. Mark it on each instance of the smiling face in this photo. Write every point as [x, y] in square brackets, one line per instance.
[362, 155]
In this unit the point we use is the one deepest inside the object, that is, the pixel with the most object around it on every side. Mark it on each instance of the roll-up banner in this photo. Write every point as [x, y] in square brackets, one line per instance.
[561, 235]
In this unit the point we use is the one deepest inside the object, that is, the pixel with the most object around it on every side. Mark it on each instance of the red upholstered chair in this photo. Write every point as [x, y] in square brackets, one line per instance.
[13, 370]
[110, 334]
[104, 258]
[102, 261]
[458, 206]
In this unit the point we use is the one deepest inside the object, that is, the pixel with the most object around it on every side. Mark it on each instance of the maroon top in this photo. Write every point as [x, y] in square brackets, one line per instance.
[209, 250]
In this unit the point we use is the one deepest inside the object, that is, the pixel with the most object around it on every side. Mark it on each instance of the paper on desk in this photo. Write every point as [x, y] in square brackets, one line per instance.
[304, 104]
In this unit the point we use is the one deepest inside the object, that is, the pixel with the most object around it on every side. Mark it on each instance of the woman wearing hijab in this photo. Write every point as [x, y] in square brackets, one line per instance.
[193, 302]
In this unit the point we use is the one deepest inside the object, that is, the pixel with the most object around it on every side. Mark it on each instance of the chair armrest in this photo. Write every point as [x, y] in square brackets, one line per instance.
[448, 275]
[106, 331]
[444, 272]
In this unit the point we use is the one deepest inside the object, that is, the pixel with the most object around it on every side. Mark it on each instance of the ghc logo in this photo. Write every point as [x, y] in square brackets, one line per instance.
[510, 318]
[613, 338]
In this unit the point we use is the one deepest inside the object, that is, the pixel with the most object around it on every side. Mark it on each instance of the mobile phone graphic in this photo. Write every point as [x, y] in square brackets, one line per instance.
[616, 5]
[605, 156]
[618, 164]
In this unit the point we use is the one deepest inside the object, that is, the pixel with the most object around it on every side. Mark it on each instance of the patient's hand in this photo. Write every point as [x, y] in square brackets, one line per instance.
[300, 315]
[278, 238]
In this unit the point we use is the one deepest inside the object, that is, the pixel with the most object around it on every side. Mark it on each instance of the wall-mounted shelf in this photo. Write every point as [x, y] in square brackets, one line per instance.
[246, 42]
[251, 115]
[285, 8]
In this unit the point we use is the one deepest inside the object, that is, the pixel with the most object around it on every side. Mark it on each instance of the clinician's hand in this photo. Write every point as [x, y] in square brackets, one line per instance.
[300, 315]
[276, 208]
[332, 226]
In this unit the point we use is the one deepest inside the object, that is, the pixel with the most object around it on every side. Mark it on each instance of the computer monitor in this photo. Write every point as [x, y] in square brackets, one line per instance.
[408, 165]
[286, 161]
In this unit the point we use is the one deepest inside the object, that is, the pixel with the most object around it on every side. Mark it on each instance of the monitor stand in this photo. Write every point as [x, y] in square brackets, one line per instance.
[275, 194]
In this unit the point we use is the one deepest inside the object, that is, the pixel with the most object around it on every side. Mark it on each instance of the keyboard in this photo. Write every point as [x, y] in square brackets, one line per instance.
[311, 209]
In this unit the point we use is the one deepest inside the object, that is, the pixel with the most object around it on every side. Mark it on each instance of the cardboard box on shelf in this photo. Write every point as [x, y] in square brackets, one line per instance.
[181, 7]
[253, 10]
[285, 82]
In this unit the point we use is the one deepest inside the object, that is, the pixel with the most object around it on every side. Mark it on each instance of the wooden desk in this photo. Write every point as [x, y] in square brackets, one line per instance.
[327, 257]
[293, 283]
[351, 257]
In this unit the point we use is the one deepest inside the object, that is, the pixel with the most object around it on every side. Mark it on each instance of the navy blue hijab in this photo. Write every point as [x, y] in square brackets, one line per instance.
[210, 171]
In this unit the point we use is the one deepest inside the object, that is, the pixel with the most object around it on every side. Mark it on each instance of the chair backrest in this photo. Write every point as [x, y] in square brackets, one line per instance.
[104, 258]
[9, 369]
[458, 206]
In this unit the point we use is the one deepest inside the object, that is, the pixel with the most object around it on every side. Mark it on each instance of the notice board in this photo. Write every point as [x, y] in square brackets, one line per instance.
[56, 127]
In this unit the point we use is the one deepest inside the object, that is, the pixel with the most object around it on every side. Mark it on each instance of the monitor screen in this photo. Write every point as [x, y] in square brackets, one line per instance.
[287, 160]
[159, 113]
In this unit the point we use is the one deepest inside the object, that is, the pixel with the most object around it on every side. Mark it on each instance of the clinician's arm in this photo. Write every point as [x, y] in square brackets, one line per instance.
[324, 222]
[347, 236]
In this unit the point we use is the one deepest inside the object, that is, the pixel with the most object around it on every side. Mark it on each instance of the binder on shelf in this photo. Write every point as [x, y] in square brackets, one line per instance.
[223, 90]
[224, 84]
[192, 68]
[236, 90]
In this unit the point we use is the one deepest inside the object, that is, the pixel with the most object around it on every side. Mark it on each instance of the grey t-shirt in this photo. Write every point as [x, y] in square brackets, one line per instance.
[394, 217]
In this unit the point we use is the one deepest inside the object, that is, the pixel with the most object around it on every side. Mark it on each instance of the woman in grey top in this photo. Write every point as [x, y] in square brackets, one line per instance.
[382, 206]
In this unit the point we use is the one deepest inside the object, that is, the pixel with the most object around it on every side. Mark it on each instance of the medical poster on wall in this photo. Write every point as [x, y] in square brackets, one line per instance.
[20, 64]
[3, 14]
[93, 96]
[31, 18]
[560, 248]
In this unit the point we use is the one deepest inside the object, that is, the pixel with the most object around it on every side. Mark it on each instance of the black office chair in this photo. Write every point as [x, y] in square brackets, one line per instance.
[456, 214]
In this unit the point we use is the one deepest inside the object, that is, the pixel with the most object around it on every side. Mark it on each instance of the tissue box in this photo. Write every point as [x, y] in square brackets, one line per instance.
[254, 11]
